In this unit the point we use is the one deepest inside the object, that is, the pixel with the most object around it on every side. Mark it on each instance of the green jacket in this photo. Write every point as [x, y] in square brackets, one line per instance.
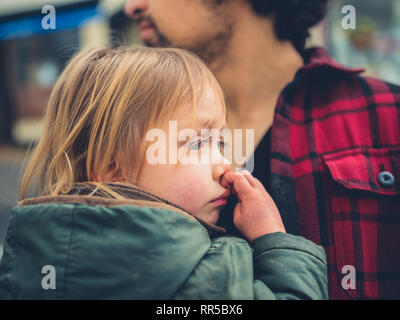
[146, 248]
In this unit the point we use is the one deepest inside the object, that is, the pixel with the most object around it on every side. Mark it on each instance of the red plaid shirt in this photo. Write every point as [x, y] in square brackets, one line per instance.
[335, 172]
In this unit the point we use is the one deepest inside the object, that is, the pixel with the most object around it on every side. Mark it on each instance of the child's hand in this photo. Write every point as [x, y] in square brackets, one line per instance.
[256, 213]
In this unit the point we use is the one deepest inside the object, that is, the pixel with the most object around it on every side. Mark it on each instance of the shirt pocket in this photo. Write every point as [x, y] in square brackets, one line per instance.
[363, 200]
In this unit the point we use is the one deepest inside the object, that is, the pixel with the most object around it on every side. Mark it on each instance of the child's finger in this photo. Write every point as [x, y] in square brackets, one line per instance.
[258, 183]
[242, 186]
[225, 182]
[239, 182]
[230, 176]
[227, 179]
[249, 178]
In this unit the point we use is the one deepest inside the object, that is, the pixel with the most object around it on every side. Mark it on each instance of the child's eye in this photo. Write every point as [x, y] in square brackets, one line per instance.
[222, 144]
[198, 144]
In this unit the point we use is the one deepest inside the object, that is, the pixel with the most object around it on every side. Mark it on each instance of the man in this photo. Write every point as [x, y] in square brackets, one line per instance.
[328, 140]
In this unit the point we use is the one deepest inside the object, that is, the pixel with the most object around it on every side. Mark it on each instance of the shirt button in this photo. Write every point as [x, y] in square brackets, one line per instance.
[386, 179]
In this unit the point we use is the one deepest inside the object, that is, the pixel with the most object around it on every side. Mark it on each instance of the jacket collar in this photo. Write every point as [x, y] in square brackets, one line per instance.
[316, 57]
[88, 194]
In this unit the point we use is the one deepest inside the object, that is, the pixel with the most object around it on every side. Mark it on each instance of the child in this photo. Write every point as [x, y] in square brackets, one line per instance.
[111, 224]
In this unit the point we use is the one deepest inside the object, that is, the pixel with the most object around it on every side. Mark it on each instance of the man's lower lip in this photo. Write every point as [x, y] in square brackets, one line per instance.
[219, 201]
[146, 32]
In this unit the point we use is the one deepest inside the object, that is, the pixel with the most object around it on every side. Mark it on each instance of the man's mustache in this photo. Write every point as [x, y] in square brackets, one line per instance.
[148, 20]
[162, 41]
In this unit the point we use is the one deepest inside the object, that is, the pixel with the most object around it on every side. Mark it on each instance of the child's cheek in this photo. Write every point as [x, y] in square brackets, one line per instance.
[190, 193]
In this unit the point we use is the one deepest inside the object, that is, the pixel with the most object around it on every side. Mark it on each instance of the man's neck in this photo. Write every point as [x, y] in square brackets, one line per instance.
[256, 68]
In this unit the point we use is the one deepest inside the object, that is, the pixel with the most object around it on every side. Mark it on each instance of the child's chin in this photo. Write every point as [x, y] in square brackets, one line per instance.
[212, 217]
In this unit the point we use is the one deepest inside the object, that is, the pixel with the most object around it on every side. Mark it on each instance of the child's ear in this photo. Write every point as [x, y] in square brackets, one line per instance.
[113, 173]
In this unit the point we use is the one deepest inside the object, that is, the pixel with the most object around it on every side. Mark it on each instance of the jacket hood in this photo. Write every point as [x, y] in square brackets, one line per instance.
[139, 248]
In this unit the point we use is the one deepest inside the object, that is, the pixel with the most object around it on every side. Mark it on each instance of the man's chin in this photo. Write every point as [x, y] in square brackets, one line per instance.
[151, 43]
[157, 42]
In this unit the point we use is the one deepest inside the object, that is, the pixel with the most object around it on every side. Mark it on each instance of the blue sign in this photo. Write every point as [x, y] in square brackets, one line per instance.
[32, 25]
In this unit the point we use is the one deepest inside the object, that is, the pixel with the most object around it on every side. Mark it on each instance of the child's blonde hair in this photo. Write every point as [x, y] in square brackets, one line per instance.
[103, 104]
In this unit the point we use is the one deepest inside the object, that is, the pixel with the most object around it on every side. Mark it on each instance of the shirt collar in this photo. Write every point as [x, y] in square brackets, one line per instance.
[316, 58]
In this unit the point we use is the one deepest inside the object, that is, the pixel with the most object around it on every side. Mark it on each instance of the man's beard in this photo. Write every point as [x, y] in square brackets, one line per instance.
[161, 40]
[214, 50]
[211, 50]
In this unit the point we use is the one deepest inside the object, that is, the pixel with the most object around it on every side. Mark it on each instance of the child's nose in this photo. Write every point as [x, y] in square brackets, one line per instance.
[219, 170]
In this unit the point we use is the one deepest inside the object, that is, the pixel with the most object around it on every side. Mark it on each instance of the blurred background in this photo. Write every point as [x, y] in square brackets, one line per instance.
[31, 59]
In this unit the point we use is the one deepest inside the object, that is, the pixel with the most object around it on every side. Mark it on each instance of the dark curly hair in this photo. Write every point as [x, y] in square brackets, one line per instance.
[293, 18]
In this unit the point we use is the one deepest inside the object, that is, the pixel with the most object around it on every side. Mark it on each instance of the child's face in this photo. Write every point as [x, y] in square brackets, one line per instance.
[192, 186]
